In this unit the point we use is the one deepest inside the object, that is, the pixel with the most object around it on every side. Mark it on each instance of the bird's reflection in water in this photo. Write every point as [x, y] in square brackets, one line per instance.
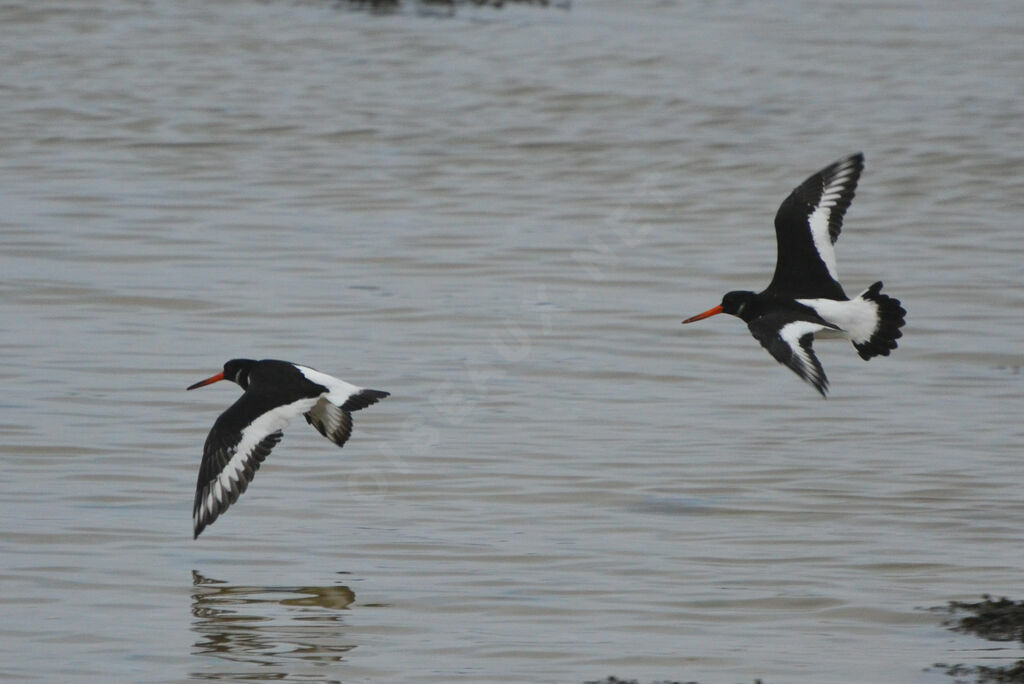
[277, 632]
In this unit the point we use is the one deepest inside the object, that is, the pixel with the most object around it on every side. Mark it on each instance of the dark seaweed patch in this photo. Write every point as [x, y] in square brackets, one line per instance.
[393, 5]
[992, 619]
[996, 620]
[615, 680]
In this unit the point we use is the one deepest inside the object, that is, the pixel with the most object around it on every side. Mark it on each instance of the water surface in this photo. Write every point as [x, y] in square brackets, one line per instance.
[501, 217]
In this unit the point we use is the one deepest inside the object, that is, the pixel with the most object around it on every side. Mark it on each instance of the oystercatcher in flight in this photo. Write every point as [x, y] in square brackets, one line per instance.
[805, 298]
[275, 392]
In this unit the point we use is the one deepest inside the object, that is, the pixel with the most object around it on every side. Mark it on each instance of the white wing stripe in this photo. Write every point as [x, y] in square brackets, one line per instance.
[819, 218]
[822, 241]
[791, 334]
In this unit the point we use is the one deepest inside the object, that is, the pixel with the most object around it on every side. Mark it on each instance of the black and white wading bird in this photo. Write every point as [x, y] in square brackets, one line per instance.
[804, 299]
[275, 392]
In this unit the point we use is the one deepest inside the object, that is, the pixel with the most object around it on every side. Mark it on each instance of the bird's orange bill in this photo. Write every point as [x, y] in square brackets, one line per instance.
[706, 314]
[208, 381]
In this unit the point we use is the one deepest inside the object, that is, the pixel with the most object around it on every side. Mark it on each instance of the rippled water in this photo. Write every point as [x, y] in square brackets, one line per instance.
[501, 217]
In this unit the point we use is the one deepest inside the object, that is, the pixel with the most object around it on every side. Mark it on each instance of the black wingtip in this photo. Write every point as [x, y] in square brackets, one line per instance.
[856, 159]
[820, 383]
[198, 525]
[364, 398]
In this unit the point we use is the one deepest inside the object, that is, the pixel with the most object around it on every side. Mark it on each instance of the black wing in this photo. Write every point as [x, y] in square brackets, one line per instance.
[788, 338]
[807, 226]
[232, 455]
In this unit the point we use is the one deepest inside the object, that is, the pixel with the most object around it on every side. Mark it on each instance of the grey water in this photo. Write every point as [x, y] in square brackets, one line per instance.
[501, 216]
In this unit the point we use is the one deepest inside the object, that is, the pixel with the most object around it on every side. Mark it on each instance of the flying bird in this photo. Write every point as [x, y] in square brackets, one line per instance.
[804, 299]
[241, 438]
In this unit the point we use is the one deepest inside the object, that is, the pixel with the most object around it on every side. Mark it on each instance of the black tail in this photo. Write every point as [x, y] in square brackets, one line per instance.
[890, 320]
[364, 398]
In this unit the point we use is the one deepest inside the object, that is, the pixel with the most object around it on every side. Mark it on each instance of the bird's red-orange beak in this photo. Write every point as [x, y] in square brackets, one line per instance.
[208, 381]
[706, 314]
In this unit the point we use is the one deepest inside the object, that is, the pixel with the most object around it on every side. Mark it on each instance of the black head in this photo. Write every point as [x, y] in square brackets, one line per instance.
[738, 303]
[235, 370]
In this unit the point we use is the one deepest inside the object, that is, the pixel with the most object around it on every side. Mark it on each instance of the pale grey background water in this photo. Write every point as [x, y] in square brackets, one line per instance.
[501, 217]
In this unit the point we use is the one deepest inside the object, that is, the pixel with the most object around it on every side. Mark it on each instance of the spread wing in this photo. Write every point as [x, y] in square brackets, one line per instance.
[789, 339]
[807, 226]
[231, 456]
